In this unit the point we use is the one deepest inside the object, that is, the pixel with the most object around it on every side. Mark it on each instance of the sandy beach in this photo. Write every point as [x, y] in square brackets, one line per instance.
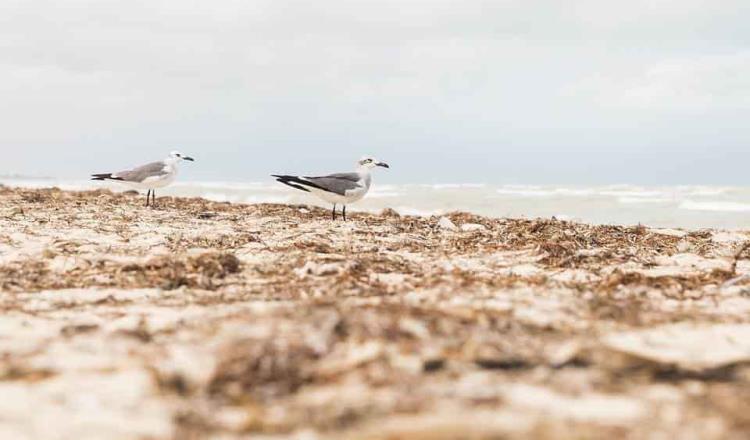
[203, 319]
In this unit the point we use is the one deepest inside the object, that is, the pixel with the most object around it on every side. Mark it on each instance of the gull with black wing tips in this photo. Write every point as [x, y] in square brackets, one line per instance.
[339, 188]
[149, 177]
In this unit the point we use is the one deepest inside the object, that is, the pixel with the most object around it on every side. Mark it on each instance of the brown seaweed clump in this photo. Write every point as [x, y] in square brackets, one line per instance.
[205, 271]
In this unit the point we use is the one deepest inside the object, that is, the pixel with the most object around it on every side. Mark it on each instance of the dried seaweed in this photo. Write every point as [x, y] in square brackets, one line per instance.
[386, 324]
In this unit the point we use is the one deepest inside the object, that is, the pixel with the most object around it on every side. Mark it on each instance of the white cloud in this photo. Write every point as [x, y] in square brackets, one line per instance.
[702, 82]
[408, 75]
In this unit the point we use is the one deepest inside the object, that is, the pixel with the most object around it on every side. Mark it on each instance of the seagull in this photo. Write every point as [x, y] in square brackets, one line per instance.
[340, 188]
[150, 176]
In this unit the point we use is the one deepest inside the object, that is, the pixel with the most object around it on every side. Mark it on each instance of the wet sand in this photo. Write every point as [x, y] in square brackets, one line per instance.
[201, 319]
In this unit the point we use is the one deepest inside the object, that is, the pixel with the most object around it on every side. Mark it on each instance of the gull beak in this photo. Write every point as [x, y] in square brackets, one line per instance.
[382, 164]
[189, 158]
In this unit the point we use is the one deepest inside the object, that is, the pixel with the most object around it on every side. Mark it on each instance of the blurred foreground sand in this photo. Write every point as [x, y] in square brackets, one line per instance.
[202, 319]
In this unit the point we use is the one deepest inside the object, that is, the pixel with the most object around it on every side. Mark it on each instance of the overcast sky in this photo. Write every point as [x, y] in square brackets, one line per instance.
[504, 91]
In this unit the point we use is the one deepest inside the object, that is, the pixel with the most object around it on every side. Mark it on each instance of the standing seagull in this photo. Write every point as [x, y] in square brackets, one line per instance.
[340, 188]
[150, 176]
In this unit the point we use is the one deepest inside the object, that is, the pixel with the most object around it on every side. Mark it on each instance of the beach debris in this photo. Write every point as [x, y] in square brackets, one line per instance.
[737, 280]
[390, 212]
[590, 253]
[473, 227]
[312, 268]
[207, 215]
[686, 346]
[263, 368]
[446, 224]
[684, 247]
[563, 353]
[216, 264]
[445, 425]
[669, 232]
[730, 237]
[348, 357]
[594, 407]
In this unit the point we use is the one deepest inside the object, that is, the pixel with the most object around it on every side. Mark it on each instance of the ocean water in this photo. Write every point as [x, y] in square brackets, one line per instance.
[692, 207]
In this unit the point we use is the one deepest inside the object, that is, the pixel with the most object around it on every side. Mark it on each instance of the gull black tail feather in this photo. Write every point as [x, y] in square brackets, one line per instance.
[106, 176]
[293, 181]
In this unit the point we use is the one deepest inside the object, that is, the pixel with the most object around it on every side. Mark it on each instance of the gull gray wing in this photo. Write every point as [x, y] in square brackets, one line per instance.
[154, 169]
[338, 183]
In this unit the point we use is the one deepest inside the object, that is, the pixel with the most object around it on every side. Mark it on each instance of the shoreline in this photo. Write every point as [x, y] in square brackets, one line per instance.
[204, 318]
[687, 207]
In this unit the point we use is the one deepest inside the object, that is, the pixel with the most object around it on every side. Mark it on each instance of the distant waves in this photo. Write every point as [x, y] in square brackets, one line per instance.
[659, 206]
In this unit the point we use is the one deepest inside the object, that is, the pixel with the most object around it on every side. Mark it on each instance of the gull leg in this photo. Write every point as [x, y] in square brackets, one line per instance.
[148, 195]
[153, 197]
[333, 213]
[344, 212]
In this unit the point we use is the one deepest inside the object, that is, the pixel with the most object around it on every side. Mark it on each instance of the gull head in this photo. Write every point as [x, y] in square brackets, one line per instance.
[176, 156]
[370, 163]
